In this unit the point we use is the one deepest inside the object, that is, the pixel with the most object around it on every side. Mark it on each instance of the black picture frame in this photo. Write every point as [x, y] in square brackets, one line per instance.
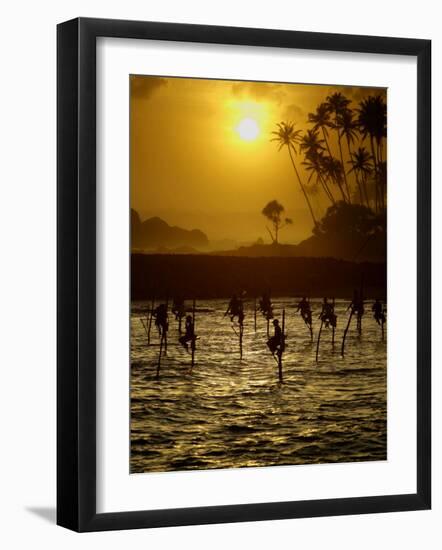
[76, 274]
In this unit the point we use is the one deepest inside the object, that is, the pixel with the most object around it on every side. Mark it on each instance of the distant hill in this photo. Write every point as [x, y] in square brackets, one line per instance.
[155, 234]
[354, 247]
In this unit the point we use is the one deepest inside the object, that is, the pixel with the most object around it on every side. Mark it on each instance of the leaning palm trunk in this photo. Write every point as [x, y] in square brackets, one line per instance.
[326, 141]
[379, 147]
[381, 182]
[338, 183]
[376, 172]
[364, 187]
[361, 196]
[331, 156]
[302, 187]
[359, 184]
[343, 169]
[341, 189]
[326, 189]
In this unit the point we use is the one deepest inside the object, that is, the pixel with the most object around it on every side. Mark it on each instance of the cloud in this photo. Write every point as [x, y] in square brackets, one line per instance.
[144, 86]
[294, 113]
[259, 90]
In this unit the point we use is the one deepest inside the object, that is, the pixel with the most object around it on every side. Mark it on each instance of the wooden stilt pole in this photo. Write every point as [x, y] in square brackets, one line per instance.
[345, 333]
[193, 341]
[281, 349]
[144, 326]
[241, 330]
[333, 326]
[152, 306]
[309, 326]
[166, 327]
[319, 339]
[361, 300]
[268, 326]
[180, 319]
[383, 320]
[159, 355]
[254, 313]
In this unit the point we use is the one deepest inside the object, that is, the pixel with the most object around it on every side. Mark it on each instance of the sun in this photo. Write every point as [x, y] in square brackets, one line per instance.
[248, 129]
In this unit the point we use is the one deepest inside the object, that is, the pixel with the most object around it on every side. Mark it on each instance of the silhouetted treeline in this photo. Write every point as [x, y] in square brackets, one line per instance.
[219, 277]
[334, 155]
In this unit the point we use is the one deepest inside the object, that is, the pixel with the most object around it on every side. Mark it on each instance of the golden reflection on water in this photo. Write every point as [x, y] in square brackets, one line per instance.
[231, 413]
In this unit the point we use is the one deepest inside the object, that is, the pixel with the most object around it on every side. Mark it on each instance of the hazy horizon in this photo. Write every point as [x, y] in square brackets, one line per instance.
[220, 226]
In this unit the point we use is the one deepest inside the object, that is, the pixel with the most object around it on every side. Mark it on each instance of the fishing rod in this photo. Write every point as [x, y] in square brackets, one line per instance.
[233, 328]
[144, 326]
[361, 304]
[163, 341]
[355, 308]
[254, 312]
[345, 331]
[319, 338]
[150, 319]
[193, 341]
[281, 348]
[307, 319]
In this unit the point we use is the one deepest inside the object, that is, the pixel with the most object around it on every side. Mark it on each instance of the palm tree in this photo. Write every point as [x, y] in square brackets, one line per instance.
[321, 120]
[372, 122]
[382, 177]
[338, 104]
[348, 128]
[287, 136]
[313, 148]
[362, 167]
[314, 163]
[333, 170]
[311, 142]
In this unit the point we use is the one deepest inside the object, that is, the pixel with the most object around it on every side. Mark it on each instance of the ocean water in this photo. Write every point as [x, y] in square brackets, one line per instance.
[232, 412]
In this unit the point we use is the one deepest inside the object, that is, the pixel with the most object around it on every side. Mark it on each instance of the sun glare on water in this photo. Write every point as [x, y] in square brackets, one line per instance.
[248, 129]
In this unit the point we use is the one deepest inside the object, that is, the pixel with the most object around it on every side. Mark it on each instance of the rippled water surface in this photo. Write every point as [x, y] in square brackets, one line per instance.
[232, 413]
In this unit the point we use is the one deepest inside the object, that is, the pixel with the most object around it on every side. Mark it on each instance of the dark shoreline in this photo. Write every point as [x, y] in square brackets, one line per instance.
[205, 276]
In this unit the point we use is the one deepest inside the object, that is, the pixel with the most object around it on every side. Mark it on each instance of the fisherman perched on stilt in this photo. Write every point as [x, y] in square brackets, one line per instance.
[235, 309]
[357, 308]
[162, 324]
[378, 312]
[179, 310]
[161, 319]
[189, 334]
[306, 313]
[274, 342]
[327, 315]
[328, 318]
[265, 306]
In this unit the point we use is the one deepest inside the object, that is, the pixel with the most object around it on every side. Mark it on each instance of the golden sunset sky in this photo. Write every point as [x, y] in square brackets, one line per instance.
[201, 155]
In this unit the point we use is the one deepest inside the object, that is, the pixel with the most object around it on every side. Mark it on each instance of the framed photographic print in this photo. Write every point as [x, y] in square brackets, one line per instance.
[243, 274]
